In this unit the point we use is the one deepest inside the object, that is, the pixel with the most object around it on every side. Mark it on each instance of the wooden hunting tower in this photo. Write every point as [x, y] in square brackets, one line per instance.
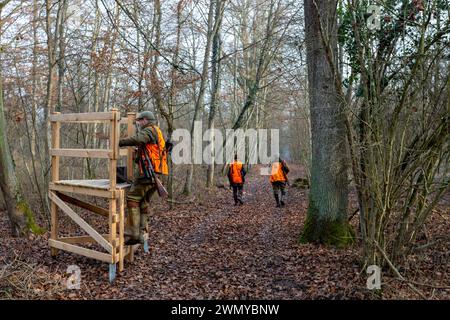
[112, 243]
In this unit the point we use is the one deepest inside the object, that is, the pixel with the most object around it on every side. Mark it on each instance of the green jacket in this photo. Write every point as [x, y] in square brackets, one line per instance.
[142, 136]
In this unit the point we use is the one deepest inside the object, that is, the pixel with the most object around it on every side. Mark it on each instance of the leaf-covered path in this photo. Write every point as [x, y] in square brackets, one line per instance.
[207, 249]
[212, 249]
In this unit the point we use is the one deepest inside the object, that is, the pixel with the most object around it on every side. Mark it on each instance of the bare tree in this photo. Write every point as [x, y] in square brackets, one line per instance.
[402, 126]
[215, 85]
[396, 124]
[212, 28]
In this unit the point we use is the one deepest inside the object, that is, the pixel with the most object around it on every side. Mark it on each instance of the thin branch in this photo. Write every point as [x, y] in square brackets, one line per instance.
[397, 273]
[139, 28]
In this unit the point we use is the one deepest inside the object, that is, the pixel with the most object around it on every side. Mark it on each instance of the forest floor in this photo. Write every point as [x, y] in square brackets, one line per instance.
[210, 249]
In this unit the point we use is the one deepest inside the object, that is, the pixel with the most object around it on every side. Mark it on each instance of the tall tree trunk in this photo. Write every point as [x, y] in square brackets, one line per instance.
[61, 56]
[169, 114]
[215, 79]
[93, 99]
[172, 95]
[34, 132]
[34, 106]
[49, 103]
[199, 102]
[16, 206]
[327, 212]
[155, 81]
[9, 186]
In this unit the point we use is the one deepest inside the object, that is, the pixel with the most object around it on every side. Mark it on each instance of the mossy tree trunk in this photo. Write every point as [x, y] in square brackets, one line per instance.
[327, 213]
[16, 207]
[19, 213]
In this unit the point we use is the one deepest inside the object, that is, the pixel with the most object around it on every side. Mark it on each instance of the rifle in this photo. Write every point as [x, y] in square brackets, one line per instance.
[284, 173]
[287, 180]
[149, 172]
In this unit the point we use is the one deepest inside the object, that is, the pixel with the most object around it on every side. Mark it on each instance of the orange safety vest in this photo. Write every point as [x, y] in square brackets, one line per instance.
[277, 173]
[157, 152]
[236, 172]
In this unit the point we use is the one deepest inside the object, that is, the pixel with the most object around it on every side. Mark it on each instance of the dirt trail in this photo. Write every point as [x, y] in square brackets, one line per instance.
[209, 249]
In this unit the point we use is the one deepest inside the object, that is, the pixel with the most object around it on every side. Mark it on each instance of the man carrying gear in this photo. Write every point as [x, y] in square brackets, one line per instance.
[236, 174]
[279, 179]
[151, 157]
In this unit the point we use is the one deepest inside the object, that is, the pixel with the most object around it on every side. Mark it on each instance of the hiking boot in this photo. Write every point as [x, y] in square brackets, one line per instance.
[277, 199]
[282, 199]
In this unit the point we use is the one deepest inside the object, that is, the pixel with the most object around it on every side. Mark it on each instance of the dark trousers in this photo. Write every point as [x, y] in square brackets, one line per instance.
[237, 193]
[279, 187]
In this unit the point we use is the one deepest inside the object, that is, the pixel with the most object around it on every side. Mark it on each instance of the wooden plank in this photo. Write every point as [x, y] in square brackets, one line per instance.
[115, 134]
[82, 117]
[102, 184]
[112, 224]
[83, 204]
[54, 225]
[131, 117]
[113, 175]
[81, 190]
[121, 228]
[114, 146]
[80, 250]
[56, 137]
[83, 224]
[82, 153]
[56, 130]
[80, 239]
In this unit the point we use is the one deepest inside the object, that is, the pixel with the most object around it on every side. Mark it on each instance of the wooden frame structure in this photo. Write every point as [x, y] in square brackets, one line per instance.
[113, 241]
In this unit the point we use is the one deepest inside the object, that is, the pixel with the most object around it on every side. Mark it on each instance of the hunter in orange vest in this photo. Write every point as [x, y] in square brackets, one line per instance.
[236, 176]
[152, 148]
[278, 179]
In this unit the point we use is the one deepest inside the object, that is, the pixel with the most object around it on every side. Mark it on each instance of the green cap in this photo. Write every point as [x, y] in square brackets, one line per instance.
[146, 115]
